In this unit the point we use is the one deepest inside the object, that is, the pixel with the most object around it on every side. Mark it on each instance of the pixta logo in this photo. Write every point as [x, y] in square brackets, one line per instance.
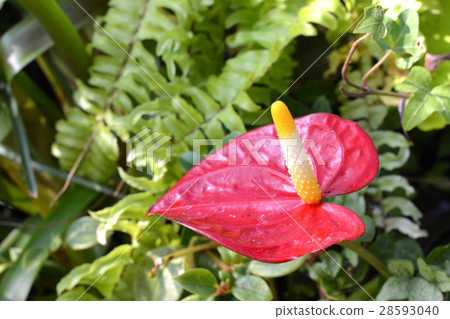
[148, 151]
[244, 151]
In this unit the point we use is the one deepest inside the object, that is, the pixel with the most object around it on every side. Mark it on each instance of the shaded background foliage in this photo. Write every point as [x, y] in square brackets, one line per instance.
[208, 69]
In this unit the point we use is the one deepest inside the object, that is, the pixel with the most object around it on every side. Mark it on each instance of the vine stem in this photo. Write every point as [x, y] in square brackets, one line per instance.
[376, 66]
[183, 252]
[348, 60]
[365, 89]
[367, 256]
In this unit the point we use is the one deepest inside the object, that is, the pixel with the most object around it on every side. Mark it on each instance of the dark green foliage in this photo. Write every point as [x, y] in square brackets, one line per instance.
[204, 69]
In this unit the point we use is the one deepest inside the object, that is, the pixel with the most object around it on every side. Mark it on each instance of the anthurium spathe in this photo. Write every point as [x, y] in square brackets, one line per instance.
[244, 197]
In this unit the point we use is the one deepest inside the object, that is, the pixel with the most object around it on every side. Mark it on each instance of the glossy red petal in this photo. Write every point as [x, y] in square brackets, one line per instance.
[350, 159]
[342, 154]
[263, 229]
[241, 196]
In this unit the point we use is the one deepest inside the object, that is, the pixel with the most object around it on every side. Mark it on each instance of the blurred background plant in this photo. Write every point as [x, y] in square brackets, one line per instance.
[73, 92]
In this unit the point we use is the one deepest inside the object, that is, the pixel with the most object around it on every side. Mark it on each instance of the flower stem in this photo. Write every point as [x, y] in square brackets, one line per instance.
[367, 256]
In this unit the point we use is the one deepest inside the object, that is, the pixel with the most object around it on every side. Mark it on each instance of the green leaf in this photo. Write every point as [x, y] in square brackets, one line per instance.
[203, 101]
[425, 100]
[72, 278]
[401, 268]
[244, 102]
[386, 247]
[5, 121]
[63, 33]
[231, 120]
[144, 183]
[388, 159]
[401, 34]
[354, 202]
[82, 233]
[389, 183]
[442, 280]
[198, 281]
[27, 40]
[416, 288]
[275, 270]
[405, 226]
[163, 286]
[422, 290]
[333, 262]
[314, 12]
[433, 122]
[351, 256]
[198, 298]
[132, 206]
[251, 288]
[425, 270]
[358, 109]
[100, 161]
[439, 255]
[434, 274]
[419, 79]
[17, 281]
[407, 248]
[103, 273]
[373, 23]
[321, 105]
[19, 237]
[9, 103]
[370, 229]
[228, 256]
[328, 267]
[404, 206]
[33, 258]
[394, 289]
[74, 294]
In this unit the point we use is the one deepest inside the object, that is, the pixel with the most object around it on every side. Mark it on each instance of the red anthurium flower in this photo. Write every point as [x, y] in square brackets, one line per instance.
[260, 195]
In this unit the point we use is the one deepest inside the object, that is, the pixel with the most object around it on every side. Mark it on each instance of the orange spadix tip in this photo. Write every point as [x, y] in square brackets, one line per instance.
[283, 120]
[297, 160]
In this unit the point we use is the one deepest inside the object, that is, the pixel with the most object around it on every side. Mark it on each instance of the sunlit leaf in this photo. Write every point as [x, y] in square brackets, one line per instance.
[406, 226]
[401, 268]
[251, 288]
[81, 233]
[425, 99]
[373, 23]
[390, 160]
[103, 273]
[198, 281]
[275, 270]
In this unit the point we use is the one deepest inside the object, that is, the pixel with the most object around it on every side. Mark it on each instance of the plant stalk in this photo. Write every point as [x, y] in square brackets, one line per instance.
[367, 256]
